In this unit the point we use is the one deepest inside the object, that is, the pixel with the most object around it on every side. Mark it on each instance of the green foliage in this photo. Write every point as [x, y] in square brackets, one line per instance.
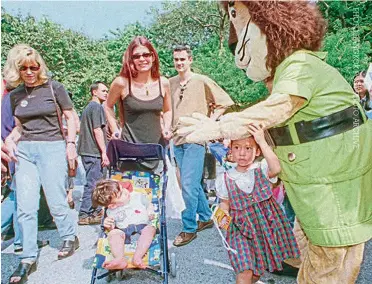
[77, 61]
[346, 52]
[220, 67]
[187, 22]
[73, 59]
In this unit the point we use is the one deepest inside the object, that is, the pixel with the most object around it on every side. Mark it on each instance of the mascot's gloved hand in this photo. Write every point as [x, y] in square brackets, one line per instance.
[200, 128]
[234, 126]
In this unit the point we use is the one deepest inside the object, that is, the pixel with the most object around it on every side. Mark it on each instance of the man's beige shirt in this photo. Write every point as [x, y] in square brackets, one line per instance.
[199, 94]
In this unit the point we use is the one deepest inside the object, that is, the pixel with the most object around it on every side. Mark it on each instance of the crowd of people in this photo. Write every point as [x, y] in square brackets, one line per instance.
[38, 152]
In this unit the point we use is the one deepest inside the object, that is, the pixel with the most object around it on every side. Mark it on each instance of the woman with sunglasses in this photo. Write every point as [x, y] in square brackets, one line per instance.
[143, 96]
[38, 147]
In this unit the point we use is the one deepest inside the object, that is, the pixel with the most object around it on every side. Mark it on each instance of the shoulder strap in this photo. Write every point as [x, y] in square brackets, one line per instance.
[160, 93]
[59, 115]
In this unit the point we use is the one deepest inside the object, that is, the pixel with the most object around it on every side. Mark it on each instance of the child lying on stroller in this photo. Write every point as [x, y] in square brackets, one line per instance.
[127, 213]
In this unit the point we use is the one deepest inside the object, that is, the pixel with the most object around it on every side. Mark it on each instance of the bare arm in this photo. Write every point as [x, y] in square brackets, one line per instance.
[71, 124]
[100, 139]
[167, 109]
[13, 138]
[225, 205]
[115, 93]
[71, 137]
[5, 157]
[77, 120]
[271, 159]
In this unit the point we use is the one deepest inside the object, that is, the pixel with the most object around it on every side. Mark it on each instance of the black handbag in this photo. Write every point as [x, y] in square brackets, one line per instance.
[209, 165]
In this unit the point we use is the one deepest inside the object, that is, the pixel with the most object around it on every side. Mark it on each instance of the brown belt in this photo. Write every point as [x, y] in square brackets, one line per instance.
[319, 128]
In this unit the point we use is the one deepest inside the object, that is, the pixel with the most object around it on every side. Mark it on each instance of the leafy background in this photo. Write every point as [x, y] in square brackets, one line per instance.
[77, 61]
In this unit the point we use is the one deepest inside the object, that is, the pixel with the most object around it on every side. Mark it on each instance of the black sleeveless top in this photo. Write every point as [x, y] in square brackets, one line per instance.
[142, 119]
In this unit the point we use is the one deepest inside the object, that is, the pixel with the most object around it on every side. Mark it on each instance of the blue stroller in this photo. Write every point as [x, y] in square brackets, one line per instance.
[124, 155]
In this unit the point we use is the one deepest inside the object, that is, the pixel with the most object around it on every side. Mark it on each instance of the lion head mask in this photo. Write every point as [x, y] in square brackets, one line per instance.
[264, 33]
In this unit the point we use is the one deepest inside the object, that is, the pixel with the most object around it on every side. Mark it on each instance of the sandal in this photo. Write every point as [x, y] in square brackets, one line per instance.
[23, 270]
[69, 248]
[183, 239]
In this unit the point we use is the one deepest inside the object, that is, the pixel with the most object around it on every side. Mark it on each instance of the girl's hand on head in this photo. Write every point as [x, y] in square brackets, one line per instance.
[257, 132]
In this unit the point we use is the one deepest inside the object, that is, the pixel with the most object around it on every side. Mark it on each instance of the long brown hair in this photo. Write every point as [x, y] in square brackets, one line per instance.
[288, 25]
[127, 70]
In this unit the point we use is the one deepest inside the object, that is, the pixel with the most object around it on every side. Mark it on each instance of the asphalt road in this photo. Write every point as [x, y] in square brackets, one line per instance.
[202, 261]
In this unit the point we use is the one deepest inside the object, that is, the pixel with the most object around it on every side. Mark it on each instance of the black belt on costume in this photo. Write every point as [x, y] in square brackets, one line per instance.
[319, 128]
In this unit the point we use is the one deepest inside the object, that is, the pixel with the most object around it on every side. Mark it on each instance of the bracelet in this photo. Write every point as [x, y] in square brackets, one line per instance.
[72, 142]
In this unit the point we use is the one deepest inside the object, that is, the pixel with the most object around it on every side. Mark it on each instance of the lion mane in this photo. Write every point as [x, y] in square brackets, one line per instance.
[288, 25]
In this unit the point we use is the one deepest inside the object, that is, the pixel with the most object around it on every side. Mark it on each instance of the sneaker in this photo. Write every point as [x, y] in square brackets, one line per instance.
[204, 225]
[91, 219]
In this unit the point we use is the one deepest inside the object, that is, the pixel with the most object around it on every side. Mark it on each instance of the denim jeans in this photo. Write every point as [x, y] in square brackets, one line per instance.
[190, 160]
[93, 171]
[41, 163]
[9, 217]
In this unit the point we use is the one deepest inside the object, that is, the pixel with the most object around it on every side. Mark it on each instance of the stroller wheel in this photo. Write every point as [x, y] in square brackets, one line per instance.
[173, 265]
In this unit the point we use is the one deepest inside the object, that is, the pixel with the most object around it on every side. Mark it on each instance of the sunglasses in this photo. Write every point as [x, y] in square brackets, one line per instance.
[146, 55]
[32, 68]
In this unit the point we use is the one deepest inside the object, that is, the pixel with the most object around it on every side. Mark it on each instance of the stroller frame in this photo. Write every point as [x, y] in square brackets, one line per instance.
[119, 150]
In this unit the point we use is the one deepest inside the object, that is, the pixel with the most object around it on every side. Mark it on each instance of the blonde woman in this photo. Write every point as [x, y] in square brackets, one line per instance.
[41, 154]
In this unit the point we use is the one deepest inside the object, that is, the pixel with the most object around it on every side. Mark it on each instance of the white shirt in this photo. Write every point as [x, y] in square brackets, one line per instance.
[133, 213]
[244, 180]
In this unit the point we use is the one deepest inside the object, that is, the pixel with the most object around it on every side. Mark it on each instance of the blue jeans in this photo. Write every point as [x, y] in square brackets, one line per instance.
[190, 161]
[93, 171]
[41, 163]
[9, 217]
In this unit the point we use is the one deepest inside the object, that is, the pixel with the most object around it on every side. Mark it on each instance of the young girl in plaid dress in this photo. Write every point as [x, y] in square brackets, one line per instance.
[259, 231]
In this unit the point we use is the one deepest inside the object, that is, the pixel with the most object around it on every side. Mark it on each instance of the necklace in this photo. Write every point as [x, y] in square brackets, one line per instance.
[183, 88]
[29, 95]
[147, 89]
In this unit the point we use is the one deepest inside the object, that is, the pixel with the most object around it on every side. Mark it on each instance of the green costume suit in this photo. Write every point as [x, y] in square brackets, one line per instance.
[329, 182]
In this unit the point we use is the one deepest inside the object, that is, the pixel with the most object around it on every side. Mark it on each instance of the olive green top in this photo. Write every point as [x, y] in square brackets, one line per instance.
[329, 181]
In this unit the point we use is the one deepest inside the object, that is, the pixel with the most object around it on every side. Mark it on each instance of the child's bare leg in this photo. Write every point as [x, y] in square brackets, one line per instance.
[143, 245]
[246, 277]
[116, 240]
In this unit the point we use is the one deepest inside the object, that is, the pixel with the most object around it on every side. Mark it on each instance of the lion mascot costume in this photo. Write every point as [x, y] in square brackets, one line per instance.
[321, 134]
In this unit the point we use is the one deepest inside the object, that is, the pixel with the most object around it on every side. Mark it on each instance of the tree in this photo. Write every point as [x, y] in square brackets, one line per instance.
[189, 22]
[77, 61]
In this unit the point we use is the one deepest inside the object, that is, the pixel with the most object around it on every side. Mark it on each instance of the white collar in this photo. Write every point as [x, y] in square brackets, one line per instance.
[234, 174]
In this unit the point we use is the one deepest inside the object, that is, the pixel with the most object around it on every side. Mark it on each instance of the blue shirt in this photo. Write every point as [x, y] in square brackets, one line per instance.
[7, 122]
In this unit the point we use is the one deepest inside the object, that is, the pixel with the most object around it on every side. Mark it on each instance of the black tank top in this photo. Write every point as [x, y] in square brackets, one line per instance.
[142, 119]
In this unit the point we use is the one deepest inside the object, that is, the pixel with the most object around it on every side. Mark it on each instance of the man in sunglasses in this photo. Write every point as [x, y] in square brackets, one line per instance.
[193, 93]
[92, 149]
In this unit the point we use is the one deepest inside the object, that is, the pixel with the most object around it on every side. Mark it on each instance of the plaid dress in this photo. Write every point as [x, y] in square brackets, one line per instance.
[259, 230]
